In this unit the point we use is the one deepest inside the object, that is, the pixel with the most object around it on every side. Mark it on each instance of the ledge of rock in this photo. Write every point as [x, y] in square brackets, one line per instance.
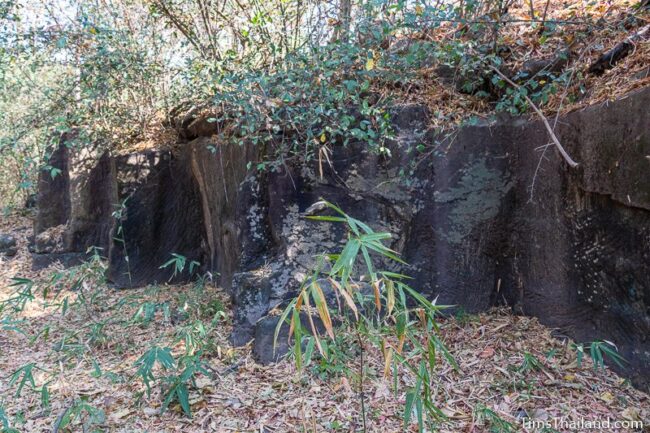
[574, 251]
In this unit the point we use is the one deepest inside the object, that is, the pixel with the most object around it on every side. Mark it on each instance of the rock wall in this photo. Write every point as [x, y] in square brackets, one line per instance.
[573, 251]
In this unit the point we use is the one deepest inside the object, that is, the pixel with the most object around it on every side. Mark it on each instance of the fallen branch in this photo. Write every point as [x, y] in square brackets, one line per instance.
[619, 52]
[559, 146]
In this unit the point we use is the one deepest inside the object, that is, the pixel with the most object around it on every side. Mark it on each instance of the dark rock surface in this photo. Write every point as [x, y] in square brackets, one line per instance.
[53, 197]
[161, 216]
[574, 251]
[74, 207]
[41, 261]
[8, 245]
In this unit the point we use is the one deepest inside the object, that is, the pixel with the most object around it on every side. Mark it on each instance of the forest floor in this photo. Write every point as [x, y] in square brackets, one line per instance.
[83, 345]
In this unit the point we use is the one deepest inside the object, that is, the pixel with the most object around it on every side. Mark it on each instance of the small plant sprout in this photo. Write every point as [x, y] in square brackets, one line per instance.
[493, 421]
[178, 263]
[146, 363]
[531, 363]
[598, 351]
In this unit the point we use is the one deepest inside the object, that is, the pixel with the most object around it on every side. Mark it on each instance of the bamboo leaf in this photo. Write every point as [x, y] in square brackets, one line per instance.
[326, 218]
[283, 318]
[369, 266]
[388, 357]
[347, 257]
[390, 295]
[346, 296]
[321, 307]
[375, 286]
[297, 339]
[384, 251]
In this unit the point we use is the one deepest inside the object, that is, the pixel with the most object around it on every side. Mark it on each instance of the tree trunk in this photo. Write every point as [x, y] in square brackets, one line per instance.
[342, 31]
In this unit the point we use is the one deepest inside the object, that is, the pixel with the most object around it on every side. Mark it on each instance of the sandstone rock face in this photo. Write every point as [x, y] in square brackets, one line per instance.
[160, 215]
[480, 220]
[53, 197]
[73, 207]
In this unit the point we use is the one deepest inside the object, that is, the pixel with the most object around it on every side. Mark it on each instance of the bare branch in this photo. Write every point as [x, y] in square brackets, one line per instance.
[559, 146]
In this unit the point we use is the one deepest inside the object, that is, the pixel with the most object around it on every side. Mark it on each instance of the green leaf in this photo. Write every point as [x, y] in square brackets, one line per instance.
[184, 398]
[408, 408]
[325, 218]
[45, 396]
[297, 332]
[25, 375]
[283, 319]
[347, 258]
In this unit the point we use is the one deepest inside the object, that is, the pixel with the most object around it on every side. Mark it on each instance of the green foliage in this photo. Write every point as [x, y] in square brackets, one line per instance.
[495, 423]
[291, 76]
[196, 337]
[213, 309]
[83, 414]
[406, 331]
[23, 376]
[8, 323]
[23, 294]
[145, 364]
[70, 345]
[178, 263]
[146, 313]
[274, 74]
[335, 362]
[45, 396]
[538, 88]
[95, 74]
[598, 351]
[5, 423]
[531, 363]
[96, 335]
[180, 375]
[178, 385]
[320, 99]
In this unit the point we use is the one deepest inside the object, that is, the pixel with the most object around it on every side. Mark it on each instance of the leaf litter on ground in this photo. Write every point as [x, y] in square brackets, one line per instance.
[510, 367]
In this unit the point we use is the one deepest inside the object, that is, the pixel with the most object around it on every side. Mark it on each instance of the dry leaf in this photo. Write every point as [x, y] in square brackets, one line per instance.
[488, 352]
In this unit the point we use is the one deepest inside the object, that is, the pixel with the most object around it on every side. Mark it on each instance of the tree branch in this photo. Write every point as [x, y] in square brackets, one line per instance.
[559, 146]
[620, 51]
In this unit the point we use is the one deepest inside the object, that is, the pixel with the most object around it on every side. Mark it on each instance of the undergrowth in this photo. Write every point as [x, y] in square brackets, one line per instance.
[350, 309]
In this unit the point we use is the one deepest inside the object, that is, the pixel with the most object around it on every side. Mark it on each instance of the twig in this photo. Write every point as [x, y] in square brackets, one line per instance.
[559, 146]
[537, 169]
[361, 394]
[543, 26]
[532, 9]
[555, 121]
